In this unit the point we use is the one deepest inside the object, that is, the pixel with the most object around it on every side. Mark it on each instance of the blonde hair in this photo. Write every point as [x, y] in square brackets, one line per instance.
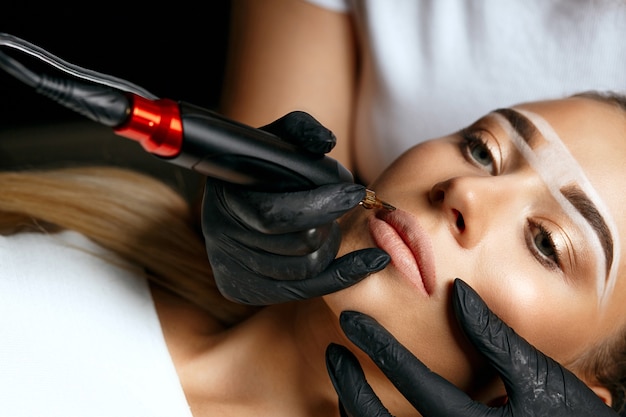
[140, 218]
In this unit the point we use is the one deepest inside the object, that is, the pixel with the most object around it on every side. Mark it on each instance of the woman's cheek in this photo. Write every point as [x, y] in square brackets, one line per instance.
[537, 307]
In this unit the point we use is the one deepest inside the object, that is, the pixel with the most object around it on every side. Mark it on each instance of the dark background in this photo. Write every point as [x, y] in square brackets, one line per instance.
[174, 50]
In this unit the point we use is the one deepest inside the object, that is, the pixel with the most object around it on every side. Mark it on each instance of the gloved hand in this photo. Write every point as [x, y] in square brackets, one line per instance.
[268, 247]
[536, 385]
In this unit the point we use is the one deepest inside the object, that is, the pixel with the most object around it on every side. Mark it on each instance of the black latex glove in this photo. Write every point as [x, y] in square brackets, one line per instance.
[536, 385]
[268, 247]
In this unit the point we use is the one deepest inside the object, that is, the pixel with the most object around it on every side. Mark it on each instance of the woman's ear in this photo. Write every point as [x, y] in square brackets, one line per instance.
[603, 393]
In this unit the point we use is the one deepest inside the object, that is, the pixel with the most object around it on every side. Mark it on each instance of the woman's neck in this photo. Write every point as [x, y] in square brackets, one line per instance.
[270, 364]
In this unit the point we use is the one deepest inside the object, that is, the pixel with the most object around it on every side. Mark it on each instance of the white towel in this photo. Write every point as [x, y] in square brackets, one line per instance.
[79, 335]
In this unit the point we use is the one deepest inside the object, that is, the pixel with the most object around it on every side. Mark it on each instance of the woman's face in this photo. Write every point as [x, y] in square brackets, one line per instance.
[518, 206]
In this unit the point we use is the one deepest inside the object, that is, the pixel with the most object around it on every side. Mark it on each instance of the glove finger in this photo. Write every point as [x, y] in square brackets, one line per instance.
[217, 226]
[248, 287]
[532, 379]
[275, 213]
[271, 265]
[493, 338]
[303, 130]
[342, 273]
[429, 393]
[289, 244]
[342, 411]
[356, 396]
[220, 223]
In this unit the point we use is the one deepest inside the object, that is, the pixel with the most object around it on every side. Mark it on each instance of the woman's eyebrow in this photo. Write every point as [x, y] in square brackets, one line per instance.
[590, 212]
[531, 135]
[575, 188]
[524, 127]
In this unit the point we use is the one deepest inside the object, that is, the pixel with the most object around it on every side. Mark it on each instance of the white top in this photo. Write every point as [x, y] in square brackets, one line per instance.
[433, 66]
[79, 335]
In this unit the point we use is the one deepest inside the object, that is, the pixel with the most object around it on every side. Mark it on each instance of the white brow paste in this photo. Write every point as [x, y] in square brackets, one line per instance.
[558, 168]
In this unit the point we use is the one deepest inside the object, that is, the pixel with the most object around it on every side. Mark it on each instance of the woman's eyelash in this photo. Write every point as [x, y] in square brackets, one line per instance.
[541, 244]
[476, 150]
[540, 241]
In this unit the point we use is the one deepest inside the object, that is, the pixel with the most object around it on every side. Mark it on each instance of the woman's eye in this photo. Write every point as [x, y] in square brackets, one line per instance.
[477, 152]
[543, 247]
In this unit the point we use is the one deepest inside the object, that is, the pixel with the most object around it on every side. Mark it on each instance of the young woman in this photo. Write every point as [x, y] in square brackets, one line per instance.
[524, 205]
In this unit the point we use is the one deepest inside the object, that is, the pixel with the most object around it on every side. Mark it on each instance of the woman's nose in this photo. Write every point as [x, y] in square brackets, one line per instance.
[472, 205]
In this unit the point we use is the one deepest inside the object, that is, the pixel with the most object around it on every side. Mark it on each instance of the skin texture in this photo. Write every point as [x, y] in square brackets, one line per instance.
[274, 362]
[310, 66]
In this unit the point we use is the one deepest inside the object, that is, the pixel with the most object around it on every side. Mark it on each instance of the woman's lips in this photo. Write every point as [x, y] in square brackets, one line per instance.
[400, 235]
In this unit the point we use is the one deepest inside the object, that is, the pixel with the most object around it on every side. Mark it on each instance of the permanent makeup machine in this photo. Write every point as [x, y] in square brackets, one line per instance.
[180, 133]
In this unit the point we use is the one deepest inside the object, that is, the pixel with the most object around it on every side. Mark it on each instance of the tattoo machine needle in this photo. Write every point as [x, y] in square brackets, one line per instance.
[371, 201]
